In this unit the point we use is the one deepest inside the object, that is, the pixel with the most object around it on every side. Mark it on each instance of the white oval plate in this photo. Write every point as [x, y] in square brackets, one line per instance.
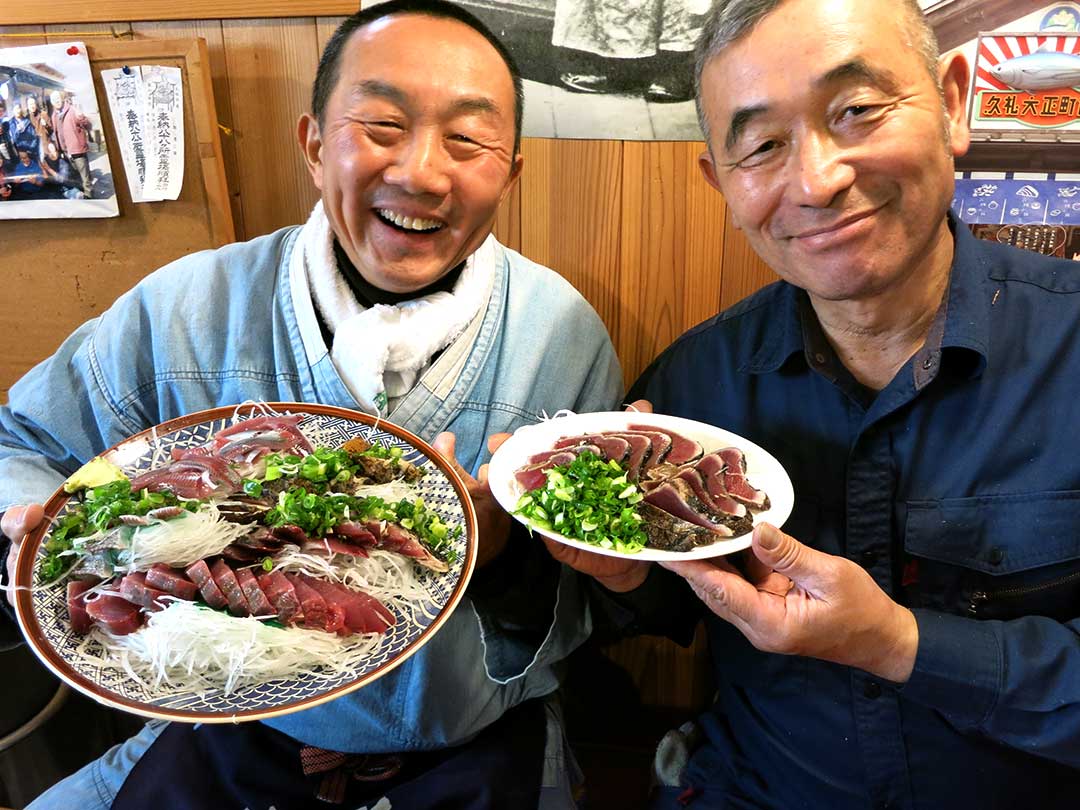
[763, 471]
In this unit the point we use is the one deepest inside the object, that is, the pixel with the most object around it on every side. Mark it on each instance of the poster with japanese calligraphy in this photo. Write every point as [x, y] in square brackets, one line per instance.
[53, 159]
[1025, 83]
[146, 102]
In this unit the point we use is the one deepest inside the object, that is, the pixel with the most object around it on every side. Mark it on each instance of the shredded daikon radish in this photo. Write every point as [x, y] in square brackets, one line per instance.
[195, 650]
[391, 492]
[390, 578]
[183, 540]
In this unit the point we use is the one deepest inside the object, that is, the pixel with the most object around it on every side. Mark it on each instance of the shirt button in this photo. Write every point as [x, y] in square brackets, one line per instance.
[868, 558]
[819, 358]
[872, 690]
[927, 363]
[997, 556]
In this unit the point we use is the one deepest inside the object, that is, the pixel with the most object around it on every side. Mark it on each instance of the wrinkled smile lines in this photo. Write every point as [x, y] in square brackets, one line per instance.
[416, 224]
[833, 229]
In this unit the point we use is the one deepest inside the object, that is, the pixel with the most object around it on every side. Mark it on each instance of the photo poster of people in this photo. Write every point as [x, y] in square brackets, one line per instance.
[596, 69]
[53, 159]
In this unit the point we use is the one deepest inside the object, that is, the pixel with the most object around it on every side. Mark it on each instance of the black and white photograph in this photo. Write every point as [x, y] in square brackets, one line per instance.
[603, 69]
[53, 158]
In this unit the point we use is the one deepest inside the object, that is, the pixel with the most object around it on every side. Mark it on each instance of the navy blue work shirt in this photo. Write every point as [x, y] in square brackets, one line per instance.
[957, 487]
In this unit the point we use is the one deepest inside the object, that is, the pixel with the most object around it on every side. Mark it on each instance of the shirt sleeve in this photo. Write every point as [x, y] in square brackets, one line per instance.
[1016, 682]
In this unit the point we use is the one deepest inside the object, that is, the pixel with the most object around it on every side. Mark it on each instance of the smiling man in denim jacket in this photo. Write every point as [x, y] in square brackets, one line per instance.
[393, 299]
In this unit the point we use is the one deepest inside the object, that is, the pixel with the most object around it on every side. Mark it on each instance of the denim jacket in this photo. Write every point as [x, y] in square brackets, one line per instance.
[225, 326]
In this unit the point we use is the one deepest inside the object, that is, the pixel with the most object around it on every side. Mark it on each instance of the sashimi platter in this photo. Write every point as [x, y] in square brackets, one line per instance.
[245, 562]
[652, 486]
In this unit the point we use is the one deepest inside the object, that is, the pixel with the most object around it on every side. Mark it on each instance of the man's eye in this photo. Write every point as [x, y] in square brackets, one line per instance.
[857, 110]
[758, 155]
[462, 138]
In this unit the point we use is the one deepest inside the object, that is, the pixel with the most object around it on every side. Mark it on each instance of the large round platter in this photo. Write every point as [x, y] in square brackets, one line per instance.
[763, 471]
[42, 612]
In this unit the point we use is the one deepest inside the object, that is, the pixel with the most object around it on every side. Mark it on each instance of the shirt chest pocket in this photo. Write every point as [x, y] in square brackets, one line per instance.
[999, 557]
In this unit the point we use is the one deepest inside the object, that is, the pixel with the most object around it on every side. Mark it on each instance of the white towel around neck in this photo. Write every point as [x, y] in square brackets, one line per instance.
[381, 351]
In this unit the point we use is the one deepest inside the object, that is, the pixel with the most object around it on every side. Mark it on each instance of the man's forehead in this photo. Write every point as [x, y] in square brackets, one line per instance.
[378, 53]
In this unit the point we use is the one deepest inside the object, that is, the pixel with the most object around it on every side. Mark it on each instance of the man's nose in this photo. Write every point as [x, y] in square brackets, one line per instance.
[420, 166]
[820, 171]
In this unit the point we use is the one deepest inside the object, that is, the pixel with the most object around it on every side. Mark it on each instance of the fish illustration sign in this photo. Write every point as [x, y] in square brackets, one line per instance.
[1026, 82]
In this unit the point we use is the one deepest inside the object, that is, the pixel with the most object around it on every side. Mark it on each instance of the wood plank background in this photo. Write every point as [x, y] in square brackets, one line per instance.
[632, 225]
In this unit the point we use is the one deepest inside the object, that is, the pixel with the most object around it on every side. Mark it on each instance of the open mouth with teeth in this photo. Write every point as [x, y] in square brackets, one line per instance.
[408, 224]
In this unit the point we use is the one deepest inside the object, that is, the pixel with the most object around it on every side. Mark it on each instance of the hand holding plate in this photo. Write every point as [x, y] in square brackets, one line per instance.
[16, 523]
[795, 600]
[492, 523]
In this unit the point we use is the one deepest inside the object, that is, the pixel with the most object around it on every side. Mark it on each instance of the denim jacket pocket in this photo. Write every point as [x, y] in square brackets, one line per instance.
[996, 557]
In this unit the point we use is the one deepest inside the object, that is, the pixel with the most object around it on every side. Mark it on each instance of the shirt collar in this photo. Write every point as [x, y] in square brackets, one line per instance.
[962, 322]
[781, 343]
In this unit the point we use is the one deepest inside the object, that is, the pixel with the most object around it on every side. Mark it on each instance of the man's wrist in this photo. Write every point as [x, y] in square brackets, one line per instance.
[898, 660]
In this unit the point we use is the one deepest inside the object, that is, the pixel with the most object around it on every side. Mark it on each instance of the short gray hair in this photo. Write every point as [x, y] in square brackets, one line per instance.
[730, 20]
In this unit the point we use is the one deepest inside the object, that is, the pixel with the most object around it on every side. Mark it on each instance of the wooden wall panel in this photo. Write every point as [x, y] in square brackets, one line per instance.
[744, 272]
[570, 216]
[669, 282]
[271, 64]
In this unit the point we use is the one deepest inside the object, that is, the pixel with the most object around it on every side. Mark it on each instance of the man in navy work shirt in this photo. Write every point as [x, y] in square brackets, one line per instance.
[910, 640]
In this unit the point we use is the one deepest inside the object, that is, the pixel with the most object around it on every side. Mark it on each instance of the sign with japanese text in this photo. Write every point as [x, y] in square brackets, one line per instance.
[1026, 83]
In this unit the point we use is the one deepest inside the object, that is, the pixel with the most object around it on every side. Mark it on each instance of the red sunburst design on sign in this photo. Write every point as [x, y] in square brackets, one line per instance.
[997, 49]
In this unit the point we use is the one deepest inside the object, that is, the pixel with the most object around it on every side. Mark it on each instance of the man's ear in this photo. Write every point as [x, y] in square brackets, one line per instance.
[310, 139]
[955, 78]
[708, 168]
[515, 174]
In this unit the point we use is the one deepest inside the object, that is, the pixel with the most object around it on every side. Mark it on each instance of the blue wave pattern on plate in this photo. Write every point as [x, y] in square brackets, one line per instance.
[437, 492]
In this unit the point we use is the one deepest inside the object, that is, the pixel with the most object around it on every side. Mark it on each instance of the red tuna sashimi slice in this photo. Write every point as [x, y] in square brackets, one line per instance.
[363, 613]
[172, 581]
[282, 596]
[674, 497]
[258, 604]
[356, 533]
[640, 450]
[116, 614]
[401, 541]
[534, 476]
[612, 447]
[81, 622]
[735, 479]
[577, 449]
[318, 614]
[682, 450]
[194, 477]
[722, 507]
[133, 587]
[661, 446]
[234, 595]
[333, 545]
[200, 574]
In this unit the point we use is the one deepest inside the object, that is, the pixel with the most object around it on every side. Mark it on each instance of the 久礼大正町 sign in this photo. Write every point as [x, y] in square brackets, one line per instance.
[1026, 83]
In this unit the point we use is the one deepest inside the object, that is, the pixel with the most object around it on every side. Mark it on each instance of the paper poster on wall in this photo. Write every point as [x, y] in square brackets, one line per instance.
[601, 70]
[146, 103]
[53, 159]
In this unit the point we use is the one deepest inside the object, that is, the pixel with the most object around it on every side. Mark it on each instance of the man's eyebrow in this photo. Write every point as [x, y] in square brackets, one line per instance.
[858, 70]
[379, 88]
[739, 120]
[475, 104]
[854, 70]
